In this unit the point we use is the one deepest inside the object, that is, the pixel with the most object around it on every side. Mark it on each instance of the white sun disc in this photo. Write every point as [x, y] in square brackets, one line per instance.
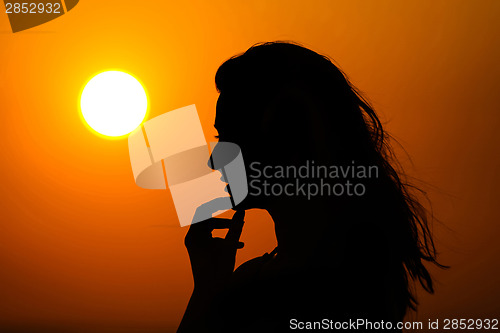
[114, 103]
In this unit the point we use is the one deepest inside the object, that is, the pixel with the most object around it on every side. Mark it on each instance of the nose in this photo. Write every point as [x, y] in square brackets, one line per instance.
[222, 154]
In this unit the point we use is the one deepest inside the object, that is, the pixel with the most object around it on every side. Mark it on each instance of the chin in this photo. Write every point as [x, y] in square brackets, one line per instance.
[251, 202]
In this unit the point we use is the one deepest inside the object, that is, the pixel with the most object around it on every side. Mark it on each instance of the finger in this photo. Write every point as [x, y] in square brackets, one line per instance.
[211, 224]
[239, 215]
[203, 229]
[236, 227]
[227, 243]
[206, 210]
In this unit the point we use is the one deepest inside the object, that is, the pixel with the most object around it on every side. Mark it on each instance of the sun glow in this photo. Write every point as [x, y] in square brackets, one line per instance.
[113, 103]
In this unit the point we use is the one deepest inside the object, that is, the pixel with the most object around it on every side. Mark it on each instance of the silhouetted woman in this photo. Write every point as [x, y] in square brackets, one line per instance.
[341, 255]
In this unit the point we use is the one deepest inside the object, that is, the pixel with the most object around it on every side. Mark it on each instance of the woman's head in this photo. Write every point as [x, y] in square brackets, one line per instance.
[282, 102]
[286, 105]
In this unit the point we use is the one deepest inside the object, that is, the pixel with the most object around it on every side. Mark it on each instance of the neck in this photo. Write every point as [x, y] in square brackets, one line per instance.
[299, 227]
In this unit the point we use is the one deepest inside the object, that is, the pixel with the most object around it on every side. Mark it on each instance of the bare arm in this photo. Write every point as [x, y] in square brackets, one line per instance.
[212, 263]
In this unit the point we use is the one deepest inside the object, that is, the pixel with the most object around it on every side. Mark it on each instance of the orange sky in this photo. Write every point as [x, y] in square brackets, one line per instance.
[82, 247]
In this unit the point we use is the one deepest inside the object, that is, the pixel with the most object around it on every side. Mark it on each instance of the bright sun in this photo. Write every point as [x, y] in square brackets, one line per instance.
[114, 103]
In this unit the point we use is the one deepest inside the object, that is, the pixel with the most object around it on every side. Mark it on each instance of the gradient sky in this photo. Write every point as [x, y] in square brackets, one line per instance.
[82, 247]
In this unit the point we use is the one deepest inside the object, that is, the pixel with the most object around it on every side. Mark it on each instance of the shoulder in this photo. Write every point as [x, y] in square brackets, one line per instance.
[250, 269]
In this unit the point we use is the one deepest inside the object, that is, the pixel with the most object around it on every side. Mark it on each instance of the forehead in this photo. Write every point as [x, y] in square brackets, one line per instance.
[228, 115]
[223, 123]
[220, 111]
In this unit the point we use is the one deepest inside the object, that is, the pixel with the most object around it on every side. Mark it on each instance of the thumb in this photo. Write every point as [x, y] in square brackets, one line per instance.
[236, 227]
